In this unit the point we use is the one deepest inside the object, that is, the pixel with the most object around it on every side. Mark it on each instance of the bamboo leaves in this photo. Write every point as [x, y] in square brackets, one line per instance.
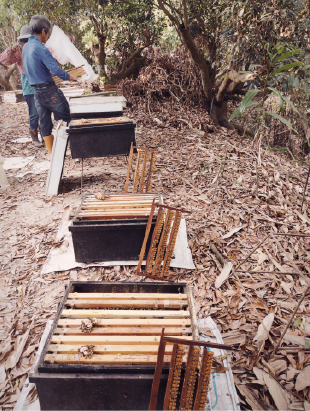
[246, 103]
[284, 121]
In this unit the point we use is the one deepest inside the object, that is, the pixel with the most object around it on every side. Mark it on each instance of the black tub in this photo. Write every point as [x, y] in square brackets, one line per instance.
[103, 387]
[101, 140]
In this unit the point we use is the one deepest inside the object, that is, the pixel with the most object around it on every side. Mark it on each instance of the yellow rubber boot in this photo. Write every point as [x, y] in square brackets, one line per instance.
[49, 142]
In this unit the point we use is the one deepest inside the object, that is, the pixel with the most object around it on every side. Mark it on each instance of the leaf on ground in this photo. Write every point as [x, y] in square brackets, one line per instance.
[18, 349]
[276, 392]
[303, 379]
[224, 274]
[250, 397]
[232, 232]
[263, 330]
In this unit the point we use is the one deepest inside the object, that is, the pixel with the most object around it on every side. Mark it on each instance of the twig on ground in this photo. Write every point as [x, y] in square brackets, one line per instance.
[291, 319]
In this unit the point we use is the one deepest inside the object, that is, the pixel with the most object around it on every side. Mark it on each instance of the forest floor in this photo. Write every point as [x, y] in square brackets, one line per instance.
[226, 213]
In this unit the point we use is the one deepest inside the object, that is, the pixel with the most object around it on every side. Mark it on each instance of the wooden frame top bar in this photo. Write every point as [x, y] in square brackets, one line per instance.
[199, 343]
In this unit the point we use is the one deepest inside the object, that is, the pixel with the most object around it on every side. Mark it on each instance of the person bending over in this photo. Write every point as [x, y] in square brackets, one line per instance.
[39, 65]
[13, 55]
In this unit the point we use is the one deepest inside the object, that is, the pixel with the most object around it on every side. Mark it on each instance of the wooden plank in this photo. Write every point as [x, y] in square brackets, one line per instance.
[124, 331]
[129, 168]
[134, 206]
[120, 202]
[127, 296]
[109, 349]
[128, 322]
[125, 313]
[146, 236]
[126, 304]
[113, 217]
[57, 160]
[132, 196]
[117, 214]
[103, 359]
[109, 339]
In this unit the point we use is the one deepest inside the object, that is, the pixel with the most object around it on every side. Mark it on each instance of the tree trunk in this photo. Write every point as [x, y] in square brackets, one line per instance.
[6, 84]
[200, 61]
[99, 48]
[217, 100]
[5, 80]
[100, 56]
[136, 65]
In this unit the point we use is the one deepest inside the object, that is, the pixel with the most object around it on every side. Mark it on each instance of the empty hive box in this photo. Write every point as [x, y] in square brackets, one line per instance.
[112, 228]
[102, 349]
[101, 137]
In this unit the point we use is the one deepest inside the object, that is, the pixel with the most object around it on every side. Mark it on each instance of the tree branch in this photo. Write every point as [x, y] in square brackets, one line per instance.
[167, 13]
[185, 14]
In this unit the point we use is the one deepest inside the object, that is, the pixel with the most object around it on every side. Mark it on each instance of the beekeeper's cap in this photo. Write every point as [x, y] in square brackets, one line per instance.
[25, 33]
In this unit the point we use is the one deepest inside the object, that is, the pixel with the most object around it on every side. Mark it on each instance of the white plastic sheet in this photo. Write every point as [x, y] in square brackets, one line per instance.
[16, 162]
[64, 51]
[222, 393]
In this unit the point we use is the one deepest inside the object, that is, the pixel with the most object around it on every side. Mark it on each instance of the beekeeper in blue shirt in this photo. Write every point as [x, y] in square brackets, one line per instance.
[39, 65]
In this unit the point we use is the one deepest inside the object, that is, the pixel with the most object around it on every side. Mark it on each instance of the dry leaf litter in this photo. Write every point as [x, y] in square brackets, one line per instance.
[215, 175]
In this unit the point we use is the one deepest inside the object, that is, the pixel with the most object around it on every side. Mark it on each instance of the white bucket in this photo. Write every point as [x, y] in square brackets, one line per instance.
[64, 51]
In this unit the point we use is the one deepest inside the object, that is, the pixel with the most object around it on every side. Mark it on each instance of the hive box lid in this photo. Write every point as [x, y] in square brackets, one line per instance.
[96, 108]
[95, 99]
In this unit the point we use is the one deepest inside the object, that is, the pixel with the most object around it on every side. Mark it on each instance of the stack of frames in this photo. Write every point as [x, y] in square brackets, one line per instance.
[191, 391]
[76, 71]
[142, 179]
[162, 243]
[115, 206]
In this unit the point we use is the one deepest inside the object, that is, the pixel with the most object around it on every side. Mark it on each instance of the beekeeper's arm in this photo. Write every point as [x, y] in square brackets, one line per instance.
[49, 61]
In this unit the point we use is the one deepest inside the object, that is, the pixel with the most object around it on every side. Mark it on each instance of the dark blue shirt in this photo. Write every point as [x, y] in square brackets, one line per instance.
[39, 63]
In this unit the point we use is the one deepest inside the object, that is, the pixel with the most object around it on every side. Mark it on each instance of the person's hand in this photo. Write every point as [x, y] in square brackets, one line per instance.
[73, 77]
[17, 49]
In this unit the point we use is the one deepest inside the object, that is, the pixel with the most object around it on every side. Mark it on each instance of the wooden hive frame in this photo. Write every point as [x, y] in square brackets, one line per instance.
[195, 384]
[127, 329]
[116, 206]
[77, 71]
[144, 168]
[162, 243]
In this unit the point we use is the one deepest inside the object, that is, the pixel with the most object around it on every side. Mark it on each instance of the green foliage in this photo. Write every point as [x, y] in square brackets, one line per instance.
[270, 73]
[284, 121]
[246, 104]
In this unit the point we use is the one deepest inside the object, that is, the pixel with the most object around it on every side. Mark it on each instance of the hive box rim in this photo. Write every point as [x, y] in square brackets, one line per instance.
[101, 114]
[99, 127]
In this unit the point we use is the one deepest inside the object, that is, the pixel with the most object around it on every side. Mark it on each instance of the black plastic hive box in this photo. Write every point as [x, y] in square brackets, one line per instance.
[109, 240]
[112, 228]
[101, 140]
[80, 386]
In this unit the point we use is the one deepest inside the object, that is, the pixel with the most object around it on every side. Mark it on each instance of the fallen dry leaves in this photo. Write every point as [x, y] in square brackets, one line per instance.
[192, 170]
